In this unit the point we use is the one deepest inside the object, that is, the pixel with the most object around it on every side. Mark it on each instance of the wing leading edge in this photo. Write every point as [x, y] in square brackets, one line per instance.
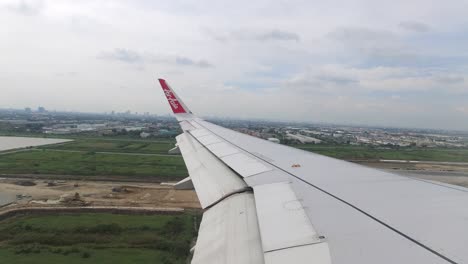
[324, 211]
[238, 214]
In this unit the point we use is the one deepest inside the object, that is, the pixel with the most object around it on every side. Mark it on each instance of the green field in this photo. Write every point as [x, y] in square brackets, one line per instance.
[97, 238]
[148, 158]
[90, 163]
[99, 157]
[112, 145]
[349, 152]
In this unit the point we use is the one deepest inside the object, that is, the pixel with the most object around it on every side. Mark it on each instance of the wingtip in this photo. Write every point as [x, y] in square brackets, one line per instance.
[176, 104]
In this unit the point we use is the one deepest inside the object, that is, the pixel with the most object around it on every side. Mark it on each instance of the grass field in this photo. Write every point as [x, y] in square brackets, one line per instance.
[97, 238]
[349, 152]
[112, 145]
[117, 157]
[90, 163]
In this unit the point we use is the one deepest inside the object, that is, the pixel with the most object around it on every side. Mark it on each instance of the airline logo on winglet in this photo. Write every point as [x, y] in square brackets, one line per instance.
[176, 106]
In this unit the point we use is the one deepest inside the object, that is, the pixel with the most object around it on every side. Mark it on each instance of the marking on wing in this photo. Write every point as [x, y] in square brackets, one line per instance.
[245, 165]
[222, 149]
[241, 163]
[199, 132]
[185, 125]
[209, 139]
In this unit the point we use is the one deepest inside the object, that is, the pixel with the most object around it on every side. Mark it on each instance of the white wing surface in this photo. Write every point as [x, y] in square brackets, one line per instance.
[269, 203]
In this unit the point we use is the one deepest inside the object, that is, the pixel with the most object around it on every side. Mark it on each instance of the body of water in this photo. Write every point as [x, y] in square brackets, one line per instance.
[7, 143]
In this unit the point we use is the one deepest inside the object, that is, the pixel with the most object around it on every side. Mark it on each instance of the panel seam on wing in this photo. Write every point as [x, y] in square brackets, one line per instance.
[415, 241]
[243, 190]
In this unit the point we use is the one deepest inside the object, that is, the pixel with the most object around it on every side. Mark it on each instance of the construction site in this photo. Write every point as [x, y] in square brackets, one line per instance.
[25, 193]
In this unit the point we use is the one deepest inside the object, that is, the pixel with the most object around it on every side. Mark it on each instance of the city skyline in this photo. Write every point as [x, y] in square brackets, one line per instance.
[44, 112]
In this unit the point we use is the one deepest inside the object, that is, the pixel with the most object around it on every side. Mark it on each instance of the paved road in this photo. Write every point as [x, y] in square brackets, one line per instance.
[425, 162]
[98, 152]
[429, 173]
[13, 151]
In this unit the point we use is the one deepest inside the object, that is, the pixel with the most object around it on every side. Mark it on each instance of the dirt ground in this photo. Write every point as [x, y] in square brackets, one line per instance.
[455, 180]
[40, 192]
[446, 173]
[95, 193]
[416, 166]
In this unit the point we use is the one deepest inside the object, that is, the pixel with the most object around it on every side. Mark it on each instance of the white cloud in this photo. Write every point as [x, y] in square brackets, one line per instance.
[300, 60]
[250, 35]
[139, 58]
[414, 26]
[462, 109]
[26, 7]
[358, 80]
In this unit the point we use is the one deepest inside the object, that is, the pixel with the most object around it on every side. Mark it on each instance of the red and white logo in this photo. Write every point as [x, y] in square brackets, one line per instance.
[171, 98]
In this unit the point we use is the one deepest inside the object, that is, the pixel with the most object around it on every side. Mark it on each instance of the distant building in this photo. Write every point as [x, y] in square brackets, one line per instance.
[303, 139]
[144, 135]
[134, 128]
[274, 140]
[41, 109]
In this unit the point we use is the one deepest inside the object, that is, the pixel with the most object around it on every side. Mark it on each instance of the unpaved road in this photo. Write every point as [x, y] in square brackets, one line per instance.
[451, 173]
[138, 194]
[101, 194]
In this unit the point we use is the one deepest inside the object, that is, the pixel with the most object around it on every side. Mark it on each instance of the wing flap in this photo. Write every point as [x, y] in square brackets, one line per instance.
[211, 178]
[316, 253]
[229, 233]
[282, 219]
[285, 229]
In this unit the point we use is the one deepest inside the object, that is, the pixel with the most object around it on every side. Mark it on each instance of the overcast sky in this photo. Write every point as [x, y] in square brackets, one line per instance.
[394, 63]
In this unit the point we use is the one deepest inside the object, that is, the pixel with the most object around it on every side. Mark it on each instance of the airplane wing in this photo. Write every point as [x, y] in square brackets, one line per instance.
[269, 203]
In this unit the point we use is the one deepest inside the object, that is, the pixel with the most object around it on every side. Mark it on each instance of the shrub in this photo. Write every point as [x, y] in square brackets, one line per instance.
[106, 229]
[174, 227]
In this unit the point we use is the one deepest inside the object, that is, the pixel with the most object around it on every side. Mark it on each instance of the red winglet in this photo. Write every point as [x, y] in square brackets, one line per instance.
[174, 102]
